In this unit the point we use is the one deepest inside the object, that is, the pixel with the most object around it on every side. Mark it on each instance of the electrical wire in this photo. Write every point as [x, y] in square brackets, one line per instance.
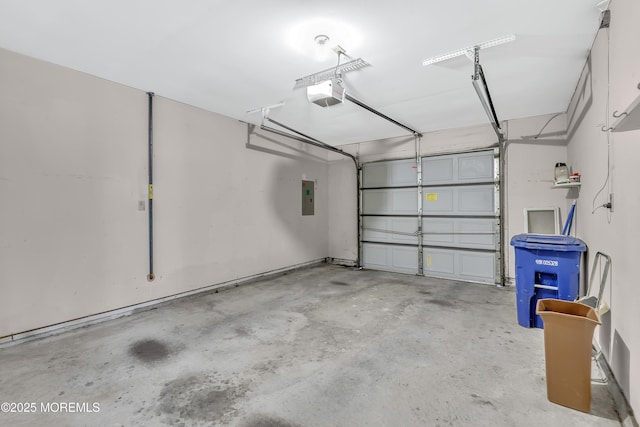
[604, 205]
[546, 124]
[606, 181]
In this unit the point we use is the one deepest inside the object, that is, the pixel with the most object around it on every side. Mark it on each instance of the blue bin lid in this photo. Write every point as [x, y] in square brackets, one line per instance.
[548, 242]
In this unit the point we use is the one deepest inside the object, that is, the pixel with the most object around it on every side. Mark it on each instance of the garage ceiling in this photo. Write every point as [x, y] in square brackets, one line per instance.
[233, 56]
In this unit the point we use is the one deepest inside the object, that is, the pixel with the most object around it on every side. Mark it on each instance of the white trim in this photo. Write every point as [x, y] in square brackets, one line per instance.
[341, 261]
[556, 219]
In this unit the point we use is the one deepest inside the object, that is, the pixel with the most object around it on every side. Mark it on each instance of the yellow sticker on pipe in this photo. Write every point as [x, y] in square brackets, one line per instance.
[150, 191]
[431, 197]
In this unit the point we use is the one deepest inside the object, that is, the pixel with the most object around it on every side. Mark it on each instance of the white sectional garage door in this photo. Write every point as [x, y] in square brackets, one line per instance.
[457, 206]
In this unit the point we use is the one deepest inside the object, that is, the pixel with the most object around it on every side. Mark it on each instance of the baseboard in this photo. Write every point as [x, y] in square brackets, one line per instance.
[627, 418]
[341, 261]
[58, 328]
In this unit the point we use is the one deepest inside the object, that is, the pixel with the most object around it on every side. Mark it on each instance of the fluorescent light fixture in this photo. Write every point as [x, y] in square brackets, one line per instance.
[466, 50]
[498, 41]
[330, 73]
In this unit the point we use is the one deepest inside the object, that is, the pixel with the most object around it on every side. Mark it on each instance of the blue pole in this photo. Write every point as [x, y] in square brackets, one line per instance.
[566, 230]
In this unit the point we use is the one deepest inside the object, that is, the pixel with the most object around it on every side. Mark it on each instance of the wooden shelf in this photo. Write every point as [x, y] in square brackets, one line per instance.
[567, 185]
[630, 118]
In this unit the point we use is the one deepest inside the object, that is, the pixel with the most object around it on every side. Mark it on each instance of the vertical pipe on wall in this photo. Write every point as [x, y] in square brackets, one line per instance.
[150, 276]
[419, 181]
[500, 177]
[358, 214]
[503, 217]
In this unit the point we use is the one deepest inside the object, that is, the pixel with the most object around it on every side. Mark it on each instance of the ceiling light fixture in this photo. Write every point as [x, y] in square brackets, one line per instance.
[469, 51]
[316, 37]
[321, 39]
[322, 48]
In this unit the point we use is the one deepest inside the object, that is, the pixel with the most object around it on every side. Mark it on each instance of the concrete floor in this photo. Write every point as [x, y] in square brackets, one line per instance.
[325, 346]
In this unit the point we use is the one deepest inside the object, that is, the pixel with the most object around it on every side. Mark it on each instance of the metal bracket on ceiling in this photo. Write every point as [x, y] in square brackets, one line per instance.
[606, 19]
[476, 63]
[264, 111]
[471, 53]
[332, 72]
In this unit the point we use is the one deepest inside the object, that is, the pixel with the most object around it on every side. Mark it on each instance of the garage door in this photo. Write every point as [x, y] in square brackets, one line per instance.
[447, 227]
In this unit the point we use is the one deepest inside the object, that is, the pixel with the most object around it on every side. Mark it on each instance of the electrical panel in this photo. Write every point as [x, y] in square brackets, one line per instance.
[307, 197]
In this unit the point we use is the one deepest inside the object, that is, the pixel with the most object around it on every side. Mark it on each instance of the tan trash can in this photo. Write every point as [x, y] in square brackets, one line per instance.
[568, 333]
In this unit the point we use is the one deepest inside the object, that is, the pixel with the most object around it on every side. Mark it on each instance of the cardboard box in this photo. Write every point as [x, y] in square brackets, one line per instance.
[568, 334]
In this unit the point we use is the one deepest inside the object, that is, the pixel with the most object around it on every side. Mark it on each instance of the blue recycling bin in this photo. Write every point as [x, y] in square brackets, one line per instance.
[547, 266]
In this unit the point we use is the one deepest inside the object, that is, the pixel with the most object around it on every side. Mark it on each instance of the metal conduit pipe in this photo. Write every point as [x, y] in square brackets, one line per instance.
[477, 79]
[489, 99]
[312, 141]
[378, 113]
[150, 276]
[487, 108]
[318, 142]
[307, 140]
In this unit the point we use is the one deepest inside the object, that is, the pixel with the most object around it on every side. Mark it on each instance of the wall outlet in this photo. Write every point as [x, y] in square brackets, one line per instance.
[141, 205]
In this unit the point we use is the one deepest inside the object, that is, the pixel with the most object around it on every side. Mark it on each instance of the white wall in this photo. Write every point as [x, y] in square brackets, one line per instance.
[343, 210]
[73, 167]
[612, 77]
[529, 169]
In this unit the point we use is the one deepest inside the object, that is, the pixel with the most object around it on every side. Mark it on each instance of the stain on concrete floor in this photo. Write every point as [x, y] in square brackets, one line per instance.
[441, 302]
[267, 421]
[339, 283]
[149, 350]
[199, 397]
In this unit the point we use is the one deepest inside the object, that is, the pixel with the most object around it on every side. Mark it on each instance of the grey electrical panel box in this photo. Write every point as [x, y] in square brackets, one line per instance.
[307, 197]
